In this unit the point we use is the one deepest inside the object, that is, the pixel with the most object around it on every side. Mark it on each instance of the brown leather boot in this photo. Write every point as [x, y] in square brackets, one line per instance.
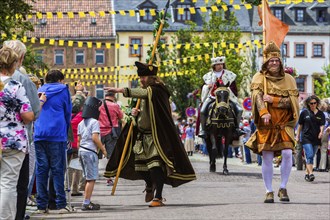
[150, 193]
[269, 197]
[283, 194]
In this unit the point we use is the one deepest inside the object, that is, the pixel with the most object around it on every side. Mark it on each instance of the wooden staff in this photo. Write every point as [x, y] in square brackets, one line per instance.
[139, 100]
[264, 42]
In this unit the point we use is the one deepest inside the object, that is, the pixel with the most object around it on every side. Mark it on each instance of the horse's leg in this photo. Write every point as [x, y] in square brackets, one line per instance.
[213, 153]
[225, 170]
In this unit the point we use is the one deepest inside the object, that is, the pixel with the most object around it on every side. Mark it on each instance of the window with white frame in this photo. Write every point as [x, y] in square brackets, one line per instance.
[300, 50]
[317, 50]
[285, 50]
[59, 57]
[278, 12]
[300, 14]
[99, 91]
[99, 56]
[80, 56]
[301, 83]
[135, 46]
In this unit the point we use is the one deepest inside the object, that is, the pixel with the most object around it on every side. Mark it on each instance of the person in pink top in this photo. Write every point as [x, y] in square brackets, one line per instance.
[116, 114]
[76, 180]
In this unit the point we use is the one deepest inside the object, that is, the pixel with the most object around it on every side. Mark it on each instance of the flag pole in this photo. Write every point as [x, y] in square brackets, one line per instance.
[139, 100]
[263, 5]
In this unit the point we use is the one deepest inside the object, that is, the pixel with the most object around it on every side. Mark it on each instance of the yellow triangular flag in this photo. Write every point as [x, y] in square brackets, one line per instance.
[192, 10]
[236, 7]
[70, 14]
[152, 12]
[102, 13]
[59, 14]
[214, 8]
[142, 12]
[131, 13]
[81, 14]
[203, 9]
[92, 13]
[49, 15]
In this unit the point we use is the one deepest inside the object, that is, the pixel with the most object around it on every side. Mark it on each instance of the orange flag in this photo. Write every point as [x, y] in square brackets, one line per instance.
[275, 28]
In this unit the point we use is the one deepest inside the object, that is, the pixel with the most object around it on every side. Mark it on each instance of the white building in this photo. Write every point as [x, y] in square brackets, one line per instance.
[307, 45]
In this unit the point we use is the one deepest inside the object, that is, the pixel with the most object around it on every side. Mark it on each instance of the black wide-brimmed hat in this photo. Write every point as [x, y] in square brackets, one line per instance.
[146, 69]
[91, 108]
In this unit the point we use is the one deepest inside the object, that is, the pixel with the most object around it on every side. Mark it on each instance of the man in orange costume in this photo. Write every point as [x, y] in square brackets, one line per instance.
[275, 112]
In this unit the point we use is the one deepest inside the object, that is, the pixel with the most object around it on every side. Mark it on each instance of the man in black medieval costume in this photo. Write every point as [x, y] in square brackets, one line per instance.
[155, 151]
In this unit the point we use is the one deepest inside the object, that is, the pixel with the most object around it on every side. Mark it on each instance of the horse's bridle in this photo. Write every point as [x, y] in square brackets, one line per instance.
[222, 103]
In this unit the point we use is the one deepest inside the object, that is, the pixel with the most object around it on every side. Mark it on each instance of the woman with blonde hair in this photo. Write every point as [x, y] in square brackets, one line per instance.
[15, 113]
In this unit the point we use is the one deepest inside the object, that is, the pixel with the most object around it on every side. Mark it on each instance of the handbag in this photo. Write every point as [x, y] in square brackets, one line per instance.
[115, 131]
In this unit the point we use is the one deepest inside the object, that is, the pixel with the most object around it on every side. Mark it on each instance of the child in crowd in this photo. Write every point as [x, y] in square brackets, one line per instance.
[89, 142]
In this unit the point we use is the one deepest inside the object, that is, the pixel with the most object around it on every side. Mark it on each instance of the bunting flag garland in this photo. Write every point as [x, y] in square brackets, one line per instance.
[106, 45]
[75, 73]
[153, 12]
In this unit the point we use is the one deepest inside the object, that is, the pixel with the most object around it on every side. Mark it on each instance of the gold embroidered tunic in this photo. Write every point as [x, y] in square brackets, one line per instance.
[284, 111]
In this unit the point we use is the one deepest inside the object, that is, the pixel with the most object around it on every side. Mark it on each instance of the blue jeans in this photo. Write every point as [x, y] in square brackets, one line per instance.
[259, 159]
[247, 155]
[310, 151]
[50, 157]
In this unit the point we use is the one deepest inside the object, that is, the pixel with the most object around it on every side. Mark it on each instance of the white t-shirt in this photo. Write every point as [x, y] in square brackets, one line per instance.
[86, 129]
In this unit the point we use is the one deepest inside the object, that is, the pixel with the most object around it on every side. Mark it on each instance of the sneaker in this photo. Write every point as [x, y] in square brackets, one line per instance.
[67, 209]
[109, 182]
[311, 177]
[269, 197]
[31, 202]
[307, 178]
[157, 202]
[90, 206]
[150, 193]
[41, 211]
[283, 194]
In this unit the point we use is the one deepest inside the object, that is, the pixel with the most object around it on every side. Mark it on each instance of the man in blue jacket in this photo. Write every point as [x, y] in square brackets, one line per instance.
[50, 137]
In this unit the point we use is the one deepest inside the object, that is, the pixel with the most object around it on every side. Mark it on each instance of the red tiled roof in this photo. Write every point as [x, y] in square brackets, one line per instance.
[73, 27]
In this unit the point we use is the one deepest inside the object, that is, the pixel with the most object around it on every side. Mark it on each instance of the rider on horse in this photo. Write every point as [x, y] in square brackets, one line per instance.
[219, 75]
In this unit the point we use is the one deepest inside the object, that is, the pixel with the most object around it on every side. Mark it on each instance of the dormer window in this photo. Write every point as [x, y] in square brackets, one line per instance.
[148, 17]
[321, 15]
[300, 14]
[278, 13]
[181, 11]
[185, 16]
[145, 14]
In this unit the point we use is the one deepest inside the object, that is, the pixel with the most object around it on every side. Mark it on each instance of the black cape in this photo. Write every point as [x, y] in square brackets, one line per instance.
[167, 141]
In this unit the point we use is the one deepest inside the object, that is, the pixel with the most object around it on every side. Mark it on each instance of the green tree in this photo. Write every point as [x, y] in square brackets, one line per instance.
[218, 27]
[322, 86]
[14, 24]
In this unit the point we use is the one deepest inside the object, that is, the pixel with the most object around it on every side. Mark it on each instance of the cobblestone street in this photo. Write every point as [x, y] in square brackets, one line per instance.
[239, 195]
